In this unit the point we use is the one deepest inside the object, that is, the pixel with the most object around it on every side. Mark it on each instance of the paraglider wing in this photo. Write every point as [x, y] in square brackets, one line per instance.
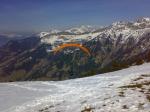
[72, 45]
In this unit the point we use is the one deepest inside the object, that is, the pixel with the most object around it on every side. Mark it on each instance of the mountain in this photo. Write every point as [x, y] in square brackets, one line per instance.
[80, 30]
[3, 40]
[126, 90]
[113, 47]
[5, 37]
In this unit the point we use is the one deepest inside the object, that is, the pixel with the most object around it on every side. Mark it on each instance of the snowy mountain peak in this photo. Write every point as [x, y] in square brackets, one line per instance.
[43, 34]
[54, 31]
[116, 24]
[144, 19]
[86, 33]
[81, 29]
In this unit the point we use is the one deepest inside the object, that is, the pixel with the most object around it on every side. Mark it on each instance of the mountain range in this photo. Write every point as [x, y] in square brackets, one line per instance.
[112, 47]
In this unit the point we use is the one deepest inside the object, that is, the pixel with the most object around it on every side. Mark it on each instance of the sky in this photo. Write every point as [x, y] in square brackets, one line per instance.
[43, 15]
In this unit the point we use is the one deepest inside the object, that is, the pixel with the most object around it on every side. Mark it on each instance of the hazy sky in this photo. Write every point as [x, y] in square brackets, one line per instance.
[41, 15]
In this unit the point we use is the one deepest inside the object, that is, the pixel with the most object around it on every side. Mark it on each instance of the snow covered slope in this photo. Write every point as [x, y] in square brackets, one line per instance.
[101, 93]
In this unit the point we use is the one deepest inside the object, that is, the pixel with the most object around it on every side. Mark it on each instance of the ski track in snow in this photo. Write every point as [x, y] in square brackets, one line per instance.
[100, 92]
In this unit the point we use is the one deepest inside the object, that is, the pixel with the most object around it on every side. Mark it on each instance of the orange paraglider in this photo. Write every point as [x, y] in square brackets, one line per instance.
[86, 50]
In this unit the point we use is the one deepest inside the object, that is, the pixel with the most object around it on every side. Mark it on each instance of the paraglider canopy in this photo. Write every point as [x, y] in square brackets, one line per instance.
[86, 50]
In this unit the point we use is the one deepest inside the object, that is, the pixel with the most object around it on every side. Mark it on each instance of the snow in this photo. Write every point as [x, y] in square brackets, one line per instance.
[145, 19]
[53, 39]
[86, 33]
[81, 29]
[100, 92]
[54, 31]
[42, 34]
